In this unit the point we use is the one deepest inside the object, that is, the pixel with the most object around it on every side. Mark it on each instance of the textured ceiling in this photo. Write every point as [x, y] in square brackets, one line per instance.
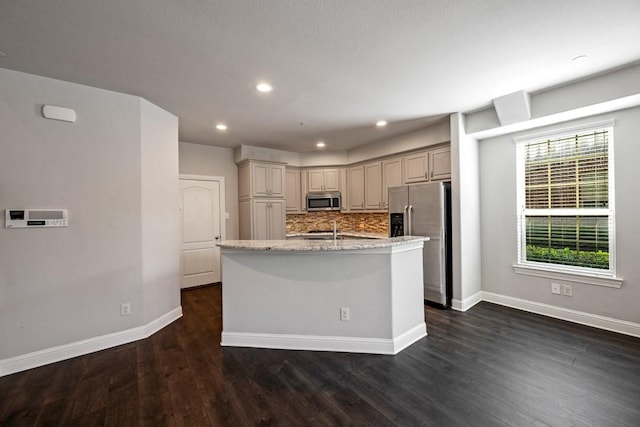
[337, 66]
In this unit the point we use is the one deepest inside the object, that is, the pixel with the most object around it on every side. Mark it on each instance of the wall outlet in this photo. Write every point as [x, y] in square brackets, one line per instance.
[555, 288]
[344, 313]
[567, 290]
[125, 309]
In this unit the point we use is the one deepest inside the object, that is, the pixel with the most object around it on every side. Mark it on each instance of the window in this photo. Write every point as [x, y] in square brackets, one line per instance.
[565, 202]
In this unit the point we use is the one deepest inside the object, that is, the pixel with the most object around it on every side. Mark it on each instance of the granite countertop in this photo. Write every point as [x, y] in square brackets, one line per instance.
[319, 245]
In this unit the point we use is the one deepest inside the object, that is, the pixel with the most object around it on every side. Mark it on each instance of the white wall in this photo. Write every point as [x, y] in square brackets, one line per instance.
[196, 159]
[567, 102]
[499, 231]
[438, 133]
[250, 152]
[161, 243]
[465, 218]
[323, 158]
[63, 285]
[614, 95]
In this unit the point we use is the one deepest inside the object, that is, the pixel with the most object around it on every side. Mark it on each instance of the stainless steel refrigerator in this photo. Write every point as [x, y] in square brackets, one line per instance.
[425, 210]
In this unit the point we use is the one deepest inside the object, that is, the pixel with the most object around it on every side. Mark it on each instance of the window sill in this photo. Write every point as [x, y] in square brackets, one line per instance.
[569, 276]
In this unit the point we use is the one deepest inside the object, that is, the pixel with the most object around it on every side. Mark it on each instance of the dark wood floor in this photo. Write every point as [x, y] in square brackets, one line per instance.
[490, 366]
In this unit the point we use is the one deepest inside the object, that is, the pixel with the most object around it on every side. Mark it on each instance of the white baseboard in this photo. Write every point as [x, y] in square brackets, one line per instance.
[162, 321]
[79, 348]
[324, 343]
[597, 321]
[412, 335]
[467, 303]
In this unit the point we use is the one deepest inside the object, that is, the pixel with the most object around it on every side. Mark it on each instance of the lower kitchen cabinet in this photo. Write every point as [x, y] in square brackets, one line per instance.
[262, 219]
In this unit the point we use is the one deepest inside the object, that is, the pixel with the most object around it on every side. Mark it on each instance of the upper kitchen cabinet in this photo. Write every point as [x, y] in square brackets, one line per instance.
[368, 184]
[391, 177]
[356, 188]
[440, 164]
[378, 177]
[261, 179]
[416, 167]
[428, 165]
[293, 193]
[323, 180]
[373, 185]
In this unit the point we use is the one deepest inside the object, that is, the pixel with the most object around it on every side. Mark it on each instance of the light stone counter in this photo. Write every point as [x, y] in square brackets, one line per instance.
[363, 296]
[320, 245]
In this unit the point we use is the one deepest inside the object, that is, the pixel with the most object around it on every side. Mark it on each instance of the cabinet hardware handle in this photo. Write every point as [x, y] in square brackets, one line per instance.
[431, 174]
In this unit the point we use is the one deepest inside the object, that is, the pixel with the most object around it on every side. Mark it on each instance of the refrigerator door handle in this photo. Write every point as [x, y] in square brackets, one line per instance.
[404, 220]
[410, 219]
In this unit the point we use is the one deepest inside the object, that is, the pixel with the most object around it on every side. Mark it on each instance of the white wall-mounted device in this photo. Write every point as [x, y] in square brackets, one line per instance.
[513, 108]
[35, 218]
[58, 113]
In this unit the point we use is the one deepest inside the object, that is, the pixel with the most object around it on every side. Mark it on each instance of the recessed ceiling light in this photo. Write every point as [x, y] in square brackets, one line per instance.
[579, 58]
[3, 54]
[381, 123]
[320, 144]
[221, 126]
[264, 87]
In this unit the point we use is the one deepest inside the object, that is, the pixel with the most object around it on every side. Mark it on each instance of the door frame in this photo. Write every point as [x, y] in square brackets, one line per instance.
[223, 213]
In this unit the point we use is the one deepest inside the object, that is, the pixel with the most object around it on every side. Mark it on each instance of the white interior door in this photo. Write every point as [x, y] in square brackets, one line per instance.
[202, 208]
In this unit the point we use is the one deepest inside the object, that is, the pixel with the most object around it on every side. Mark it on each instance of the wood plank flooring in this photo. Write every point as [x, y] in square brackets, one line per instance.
[490, 366]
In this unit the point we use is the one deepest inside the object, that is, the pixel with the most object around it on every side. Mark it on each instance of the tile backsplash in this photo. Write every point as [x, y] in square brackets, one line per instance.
[363, 222]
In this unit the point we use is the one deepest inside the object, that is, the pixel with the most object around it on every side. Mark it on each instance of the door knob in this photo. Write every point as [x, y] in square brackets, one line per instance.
[217, 237]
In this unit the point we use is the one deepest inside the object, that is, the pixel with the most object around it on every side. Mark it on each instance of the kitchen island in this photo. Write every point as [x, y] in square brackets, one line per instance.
[363, 296]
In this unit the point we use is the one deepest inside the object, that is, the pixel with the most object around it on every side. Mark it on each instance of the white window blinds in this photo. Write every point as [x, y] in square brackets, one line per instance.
[571, 172]
[567, 215]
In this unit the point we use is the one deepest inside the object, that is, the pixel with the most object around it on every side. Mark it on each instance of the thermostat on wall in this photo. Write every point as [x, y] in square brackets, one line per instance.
[35, 218]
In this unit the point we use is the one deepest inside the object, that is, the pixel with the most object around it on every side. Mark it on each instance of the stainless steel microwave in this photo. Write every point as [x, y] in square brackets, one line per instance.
[321, 201]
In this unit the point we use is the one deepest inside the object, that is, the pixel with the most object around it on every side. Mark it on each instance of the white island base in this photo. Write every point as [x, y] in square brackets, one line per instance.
[292, 295]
